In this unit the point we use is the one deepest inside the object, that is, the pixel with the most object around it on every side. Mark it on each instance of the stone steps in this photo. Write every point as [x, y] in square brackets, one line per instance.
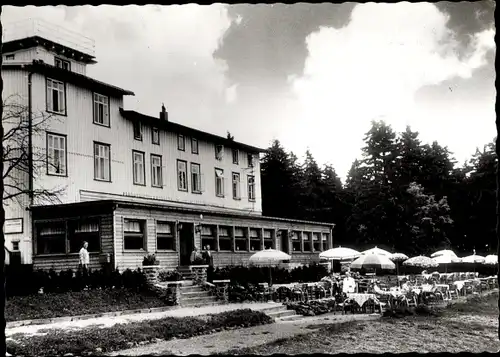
[281, 313]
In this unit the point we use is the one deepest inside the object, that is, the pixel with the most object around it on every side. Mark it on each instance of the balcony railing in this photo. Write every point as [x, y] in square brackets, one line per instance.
[37, 27]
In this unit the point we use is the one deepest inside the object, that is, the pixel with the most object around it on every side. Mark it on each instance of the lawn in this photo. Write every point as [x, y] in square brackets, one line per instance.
[78, 303]
[95, 340]
[470, 326]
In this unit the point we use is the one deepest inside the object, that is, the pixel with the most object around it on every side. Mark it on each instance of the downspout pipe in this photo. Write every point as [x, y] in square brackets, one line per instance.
[30, 141]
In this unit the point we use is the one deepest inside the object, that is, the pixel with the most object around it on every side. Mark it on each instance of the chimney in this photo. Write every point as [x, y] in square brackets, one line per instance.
[163, 113]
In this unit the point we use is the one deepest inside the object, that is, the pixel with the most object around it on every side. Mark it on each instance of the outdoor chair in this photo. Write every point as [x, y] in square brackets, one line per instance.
[385, 302]
[483, 285]
[319, 291]
[263, 292]
[283, 293]
[453, 291]
[345, 304]
[297, 293]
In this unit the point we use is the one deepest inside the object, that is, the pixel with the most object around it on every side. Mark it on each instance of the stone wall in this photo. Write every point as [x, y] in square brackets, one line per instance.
[151, 272]
[199, 274]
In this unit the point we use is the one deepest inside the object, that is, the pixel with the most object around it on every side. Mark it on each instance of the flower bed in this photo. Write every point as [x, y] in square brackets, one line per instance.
[312, 308]
[97, 341]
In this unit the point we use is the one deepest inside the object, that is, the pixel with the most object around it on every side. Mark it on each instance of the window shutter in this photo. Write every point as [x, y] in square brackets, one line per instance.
[49, 95]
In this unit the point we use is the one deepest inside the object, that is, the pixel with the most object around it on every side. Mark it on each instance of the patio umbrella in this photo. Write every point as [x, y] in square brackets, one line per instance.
[269, 257]
[445, 252]
[491, 259]
[473, 258]
[339, 253]
[444, 259]
[373, 261]
[421, 261]
[398, 258]
[378, 251]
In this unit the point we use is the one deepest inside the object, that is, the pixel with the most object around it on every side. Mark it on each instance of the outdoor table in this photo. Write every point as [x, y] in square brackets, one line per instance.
[361, 299]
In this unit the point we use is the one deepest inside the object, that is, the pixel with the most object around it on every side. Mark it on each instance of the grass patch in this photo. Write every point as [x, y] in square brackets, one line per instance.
[78, 303]
[102, 340]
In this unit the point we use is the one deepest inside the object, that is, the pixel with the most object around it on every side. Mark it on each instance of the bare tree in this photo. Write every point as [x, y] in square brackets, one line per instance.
[16, 155]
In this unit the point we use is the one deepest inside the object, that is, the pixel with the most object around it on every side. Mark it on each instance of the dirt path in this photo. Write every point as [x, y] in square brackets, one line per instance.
[249, 337]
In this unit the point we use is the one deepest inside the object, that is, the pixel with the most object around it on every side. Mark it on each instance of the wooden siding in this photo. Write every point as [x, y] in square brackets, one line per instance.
[16, 84]
[133, 259]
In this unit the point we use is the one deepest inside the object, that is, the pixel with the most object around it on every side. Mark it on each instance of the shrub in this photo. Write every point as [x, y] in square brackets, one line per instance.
[149, 260]
[172, 275]
[118, 337]
[312, 308]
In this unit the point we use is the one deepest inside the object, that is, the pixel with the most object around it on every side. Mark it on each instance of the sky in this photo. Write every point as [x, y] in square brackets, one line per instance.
[310, 75]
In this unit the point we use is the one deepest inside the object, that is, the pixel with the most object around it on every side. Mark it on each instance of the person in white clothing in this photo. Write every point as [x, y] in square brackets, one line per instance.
[84, 262]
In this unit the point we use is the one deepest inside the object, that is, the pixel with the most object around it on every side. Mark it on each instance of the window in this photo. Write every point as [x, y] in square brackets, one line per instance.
[102, 162]
[250, 160]
[225, 239]
[139, 169]
[251, 188]
[10, 57]
[306, 238]
[296, 242]
[156, 171]
[56, 97]
[165, 239]
[15, 245]
[84, 231]
[195, 178]
[56, 154]
[268, 239]
[219, 152]
[101, 110]
[133, 234]
[182, 184]
[236, 186]
[255, 240]
[60, 63]
[137, 130]
[240, 239]
[181, 142]
[155, 136]
[324, 240]
[219, 182]
[51, 238]
[317, 242]
[208, 237]
[236, 156]
[194, 146]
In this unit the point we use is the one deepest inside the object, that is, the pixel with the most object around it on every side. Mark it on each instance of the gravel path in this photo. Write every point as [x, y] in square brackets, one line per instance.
[220, 342]
[102, 322]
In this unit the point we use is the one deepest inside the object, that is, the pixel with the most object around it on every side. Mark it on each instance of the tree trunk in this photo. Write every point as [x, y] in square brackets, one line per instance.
[497, 150]
[2, 221]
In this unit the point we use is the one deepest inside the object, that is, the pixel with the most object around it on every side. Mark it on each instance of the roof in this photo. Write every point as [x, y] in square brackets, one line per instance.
[181, 129]
[120, 203]
[38, 66]
[34, 41]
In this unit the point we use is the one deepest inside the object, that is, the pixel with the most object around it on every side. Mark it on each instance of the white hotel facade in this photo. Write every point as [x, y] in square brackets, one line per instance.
[132, 184]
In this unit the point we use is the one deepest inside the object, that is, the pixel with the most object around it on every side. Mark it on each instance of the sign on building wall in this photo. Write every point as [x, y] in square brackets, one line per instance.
[13, 225]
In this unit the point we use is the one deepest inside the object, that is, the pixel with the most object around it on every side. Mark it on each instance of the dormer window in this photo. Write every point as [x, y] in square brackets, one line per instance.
[250, 160]
[10, 57]
[60, 63]
[219, 152]
[137, 130]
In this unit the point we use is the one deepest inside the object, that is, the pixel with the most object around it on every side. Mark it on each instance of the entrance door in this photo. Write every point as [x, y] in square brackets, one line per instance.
[186, 242]
[284, 241]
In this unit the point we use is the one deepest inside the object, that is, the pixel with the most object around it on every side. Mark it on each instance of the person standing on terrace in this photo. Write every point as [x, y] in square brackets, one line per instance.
[84, 262]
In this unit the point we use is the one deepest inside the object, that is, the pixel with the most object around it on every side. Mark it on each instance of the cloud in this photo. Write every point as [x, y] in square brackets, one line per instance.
[231, 93]
[372, 68]
[163, 54]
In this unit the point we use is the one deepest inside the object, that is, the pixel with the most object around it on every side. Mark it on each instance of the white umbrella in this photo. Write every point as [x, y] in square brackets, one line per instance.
[373, 261]
[421, 261]
[491, 259]
[473, 258]
[378, 251]
[445, 252]
[397, 258]
[269, 257]
[444, 259]
[339, 253]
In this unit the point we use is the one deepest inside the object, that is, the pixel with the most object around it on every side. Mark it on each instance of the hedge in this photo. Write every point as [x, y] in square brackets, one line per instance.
[23, 280]
[245, 275]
